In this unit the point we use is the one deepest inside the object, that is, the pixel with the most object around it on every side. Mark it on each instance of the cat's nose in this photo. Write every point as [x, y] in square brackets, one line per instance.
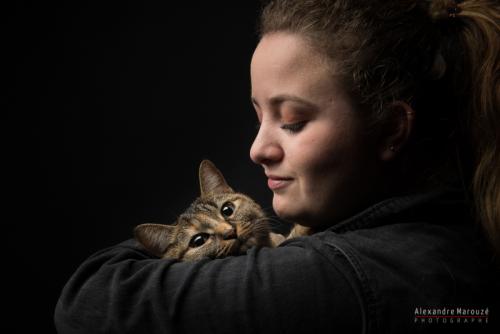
[230, 233]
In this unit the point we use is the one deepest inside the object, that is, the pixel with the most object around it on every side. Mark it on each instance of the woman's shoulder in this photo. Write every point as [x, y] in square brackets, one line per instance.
[420, 232]
[416, 251]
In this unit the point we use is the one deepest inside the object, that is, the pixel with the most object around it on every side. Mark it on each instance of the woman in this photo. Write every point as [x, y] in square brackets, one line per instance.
[378, 134]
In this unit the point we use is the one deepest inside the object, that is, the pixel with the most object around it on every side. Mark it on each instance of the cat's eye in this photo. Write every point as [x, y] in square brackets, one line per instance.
[227, 209]
[198, 240]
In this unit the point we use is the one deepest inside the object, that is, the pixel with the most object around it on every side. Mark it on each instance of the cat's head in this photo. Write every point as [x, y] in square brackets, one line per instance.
[219, 223]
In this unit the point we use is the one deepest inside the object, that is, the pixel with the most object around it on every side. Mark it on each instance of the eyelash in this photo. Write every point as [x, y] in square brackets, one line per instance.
[294, 127]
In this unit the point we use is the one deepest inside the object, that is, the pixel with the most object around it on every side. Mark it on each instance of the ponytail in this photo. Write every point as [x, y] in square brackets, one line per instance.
[478, 37]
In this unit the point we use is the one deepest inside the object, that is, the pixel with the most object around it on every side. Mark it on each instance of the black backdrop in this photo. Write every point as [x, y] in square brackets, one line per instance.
[108, 110]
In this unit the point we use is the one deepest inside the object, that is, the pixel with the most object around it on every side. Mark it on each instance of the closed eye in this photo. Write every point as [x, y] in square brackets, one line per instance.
[294, 127]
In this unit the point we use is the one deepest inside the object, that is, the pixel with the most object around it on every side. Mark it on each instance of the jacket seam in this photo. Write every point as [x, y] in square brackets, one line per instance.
[370, 324]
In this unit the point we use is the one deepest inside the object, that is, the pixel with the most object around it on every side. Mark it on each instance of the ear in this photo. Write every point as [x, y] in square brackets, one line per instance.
[154, 237]
[211, 180]
[397, 130]
[276, 239]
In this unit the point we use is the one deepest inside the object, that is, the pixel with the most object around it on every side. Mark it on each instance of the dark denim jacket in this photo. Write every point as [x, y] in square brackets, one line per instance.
[412, 264]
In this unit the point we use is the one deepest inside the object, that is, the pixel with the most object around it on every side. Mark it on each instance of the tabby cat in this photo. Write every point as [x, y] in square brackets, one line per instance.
[219, 223]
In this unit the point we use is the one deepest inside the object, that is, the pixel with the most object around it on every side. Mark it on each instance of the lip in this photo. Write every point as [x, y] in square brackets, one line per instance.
[275, 182]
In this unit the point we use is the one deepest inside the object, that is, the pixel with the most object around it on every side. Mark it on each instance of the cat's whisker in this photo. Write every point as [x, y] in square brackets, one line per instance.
[259, 229]
[228, 249]
[222, 251]
[274, 217]
[271, 222]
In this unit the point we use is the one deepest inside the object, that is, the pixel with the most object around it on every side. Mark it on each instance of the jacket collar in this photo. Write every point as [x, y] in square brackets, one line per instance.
[443, 205]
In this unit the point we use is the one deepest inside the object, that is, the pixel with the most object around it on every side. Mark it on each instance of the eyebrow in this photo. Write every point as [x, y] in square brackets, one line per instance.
[279, 99]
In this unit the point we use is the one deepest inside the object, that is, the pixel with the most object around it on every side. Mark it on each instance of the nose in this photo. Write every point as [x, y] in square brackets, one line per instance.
[229, 233]
[266, 149]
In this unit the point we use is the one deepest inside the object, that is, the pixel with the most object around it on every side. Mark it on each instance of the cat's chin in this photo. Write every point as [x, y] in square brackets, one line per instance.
[243, 249]
[236, 247]
[246, 244]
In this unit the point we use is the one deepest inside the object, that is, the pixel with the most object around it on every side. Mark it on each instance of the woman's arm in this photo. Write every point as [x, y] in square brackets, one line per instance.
[294, 288]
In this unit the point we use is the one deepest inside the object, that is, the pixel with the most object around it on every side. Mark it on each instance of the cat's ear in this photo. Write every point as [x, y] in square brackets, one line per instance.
[211, 180]
[154, 237]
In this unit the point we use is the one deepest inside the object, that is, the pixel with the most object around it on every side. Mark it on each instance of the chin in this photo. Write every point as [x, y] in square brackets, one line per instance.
[286, 210]
[293, 213]
[280, 206]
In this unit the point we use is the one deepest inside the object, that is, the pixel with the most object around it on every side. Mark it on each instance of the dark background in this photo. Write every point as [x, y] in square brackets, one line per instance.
[107, 111]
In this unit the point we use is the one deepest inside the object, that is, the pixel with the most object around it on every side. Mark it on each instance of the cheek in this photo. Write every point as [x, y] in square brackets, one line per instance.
[319, 152]
[208, 249]
[325, 160]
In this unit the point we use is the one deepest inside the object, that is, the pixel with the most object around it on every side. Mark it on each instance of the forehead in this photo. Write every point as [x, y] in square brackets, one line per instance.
[286, 52]
[214, 201]
[203, 207]
[285, 63]
[199, 221]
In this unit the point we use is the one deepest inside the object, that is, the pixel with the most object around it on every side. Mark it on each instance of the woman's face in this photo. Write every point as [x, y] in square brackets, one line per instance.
[320, 165]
